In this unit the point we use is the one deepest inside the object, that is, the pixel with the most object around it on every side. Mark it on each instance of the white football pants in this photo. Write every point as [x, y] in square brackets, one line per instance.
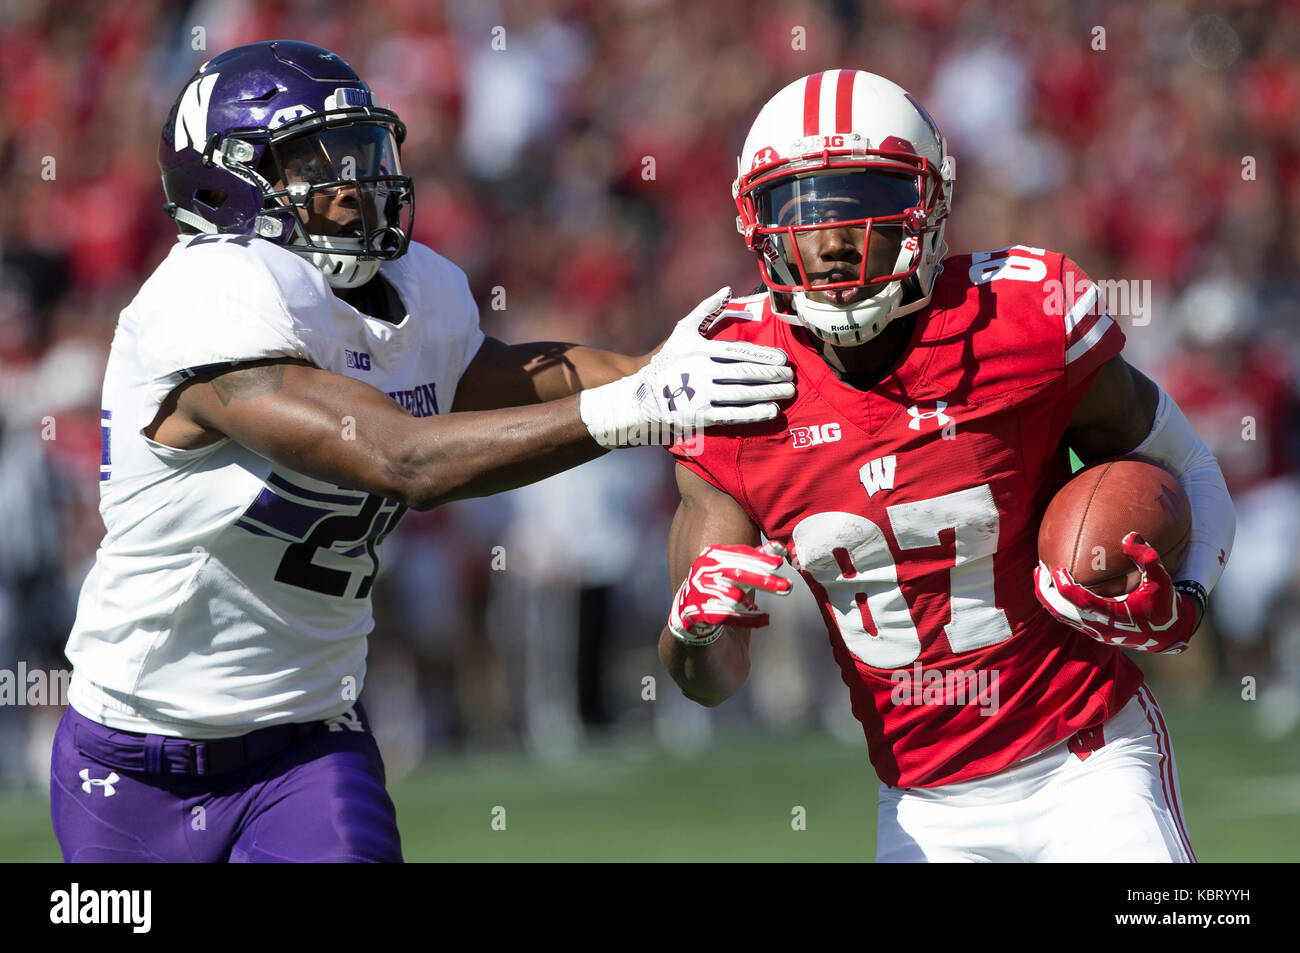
[1117, 803]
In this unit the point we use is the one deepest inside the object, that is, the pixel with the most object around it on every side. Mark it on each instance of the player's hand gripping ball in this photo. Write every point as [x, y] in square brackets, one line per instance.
[1158, 616]
[719, 591]
[1120, 595]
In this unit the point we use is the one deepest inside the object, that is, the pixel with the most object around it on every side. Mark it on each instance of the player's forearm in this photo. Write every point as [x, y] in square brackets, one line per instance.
[480, 453]
[520, 374]
[561, 370]
[708, 674]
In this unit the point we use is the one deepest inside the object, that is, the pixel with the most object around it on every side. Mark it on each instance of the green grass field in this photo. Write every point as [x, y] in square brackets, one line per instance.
[734, 802]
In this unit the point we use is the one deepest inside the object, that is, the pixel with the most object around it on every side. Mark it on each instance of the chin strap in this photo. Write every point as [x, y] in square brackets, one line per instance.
[340, 271]
[186, 217]
[863, 320]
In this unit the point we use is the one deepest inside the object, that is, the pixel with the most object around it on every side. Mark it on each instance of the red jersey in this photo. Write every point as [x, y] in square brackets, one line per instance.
[912, 511]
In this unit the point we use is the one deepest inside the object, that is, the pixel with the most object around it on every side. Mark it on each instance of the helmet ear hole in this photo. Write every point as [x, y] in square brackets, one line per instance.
[212, 198]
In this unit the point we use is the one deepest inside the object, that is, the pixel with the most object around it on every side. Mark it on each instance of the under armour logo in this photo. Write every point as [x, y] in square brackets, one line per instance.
[288, 114]
[763, 157]
[940, 418]
[87, 782]
[672, 395]
[348, 721]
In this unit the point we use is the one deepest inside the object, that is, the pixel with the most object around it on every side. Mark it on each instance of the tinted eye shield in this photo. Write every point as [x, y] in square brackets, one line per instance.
[834, 197]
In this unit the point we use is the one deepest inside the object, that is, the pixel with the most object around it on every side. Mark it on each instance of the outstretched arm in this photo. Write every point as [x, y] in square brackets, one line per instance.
[512, 375]
[344, 431]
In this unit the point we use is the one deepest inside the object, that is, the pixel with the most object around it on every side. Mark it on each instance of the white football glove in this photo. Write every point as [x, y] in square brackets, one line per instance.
[691, 383]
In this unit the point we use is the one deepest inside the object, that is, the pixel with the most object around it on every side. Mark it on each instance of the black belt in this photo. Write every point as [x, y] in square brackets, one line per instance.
[158, 754]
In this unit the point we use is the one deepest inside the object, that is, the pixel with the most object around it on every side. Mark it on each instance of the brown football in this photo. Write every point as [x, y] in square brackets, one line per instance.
[1087, 520]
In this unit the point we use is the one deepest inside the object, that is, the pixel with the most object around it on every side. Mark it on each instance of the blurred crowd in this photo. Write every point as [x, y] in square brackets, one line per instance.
[575, 158]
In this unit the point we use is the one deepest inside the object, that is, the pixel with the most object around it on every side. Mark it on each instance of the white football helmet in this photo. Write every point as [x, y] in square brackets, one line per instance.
[845, 149]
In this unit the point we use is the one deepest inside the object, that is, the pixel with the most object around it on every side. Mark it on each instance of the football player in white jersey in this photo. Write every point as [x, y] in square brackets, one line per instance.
[277, 395]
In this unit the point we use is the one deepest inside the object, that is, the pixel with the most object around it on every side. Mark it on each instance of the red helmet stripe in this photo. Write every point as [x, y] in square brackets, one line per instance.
[812, 98]
[844, 100]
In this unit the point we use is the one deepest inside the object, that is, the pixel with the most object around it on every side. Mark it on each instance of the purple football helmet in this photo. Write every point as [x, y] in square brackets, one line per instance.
[261, 130]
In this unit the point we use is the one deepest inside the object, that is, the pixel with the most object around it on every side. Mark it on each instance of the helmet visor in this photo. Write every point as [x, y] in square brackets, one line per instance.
[359, 161]
[346, 153]
[838, 196]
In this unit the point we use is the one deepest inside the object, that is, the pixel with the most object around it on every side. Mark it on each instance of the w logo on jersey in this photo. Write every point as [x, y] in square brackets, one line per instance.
[191, 129]
[878, 474]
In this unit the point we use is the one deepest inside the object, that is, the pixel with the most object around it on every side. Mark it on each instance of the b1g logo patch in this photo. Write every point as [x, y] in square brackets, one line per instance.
[814, 435]
[358, 360]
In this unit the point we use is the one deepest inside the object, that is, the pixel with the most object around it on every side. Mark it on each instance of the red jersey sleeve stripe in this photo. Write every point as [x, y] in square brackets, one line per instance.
[1081, 309]
[1089, 339]
[812, 99]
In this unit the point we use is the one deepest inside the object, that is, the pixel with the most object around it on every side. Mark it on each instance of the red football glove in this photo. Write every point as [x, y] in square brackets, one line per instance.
[719, 591]
[1158, 616]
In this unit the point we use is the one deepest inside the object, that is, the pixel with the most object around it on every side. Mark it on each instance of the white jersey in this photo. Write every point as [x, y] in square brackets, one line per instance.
[231, 593]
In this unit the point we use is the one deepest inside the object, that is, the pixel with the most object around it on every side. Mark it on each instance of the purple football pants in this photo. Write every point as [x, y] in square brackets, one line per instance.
[307, 793]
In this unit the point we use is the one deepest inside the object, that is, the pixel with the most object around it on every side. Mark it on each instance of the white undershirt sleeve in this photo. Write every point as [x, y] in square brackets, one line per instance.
[1174, 444]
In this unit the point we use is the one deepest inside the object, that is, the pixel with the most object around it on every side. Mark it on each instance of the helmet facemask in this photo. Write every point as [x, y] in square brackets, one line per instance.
[300, 167]
[314, 162]
[898, 202]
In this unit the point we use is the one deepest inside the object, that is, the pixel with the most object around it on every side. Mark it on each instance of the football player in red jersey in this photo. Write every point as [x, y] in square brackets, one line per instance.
[906, 480]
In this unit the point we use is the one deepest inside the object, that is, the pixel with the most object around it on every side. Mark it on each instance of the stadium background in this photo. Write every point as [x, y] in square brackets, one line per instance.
[581, 177]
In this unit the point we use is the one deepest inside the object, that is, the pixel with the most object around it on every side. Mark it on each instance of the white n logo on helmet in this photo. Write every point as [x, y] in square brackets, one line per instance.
[192, 114]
